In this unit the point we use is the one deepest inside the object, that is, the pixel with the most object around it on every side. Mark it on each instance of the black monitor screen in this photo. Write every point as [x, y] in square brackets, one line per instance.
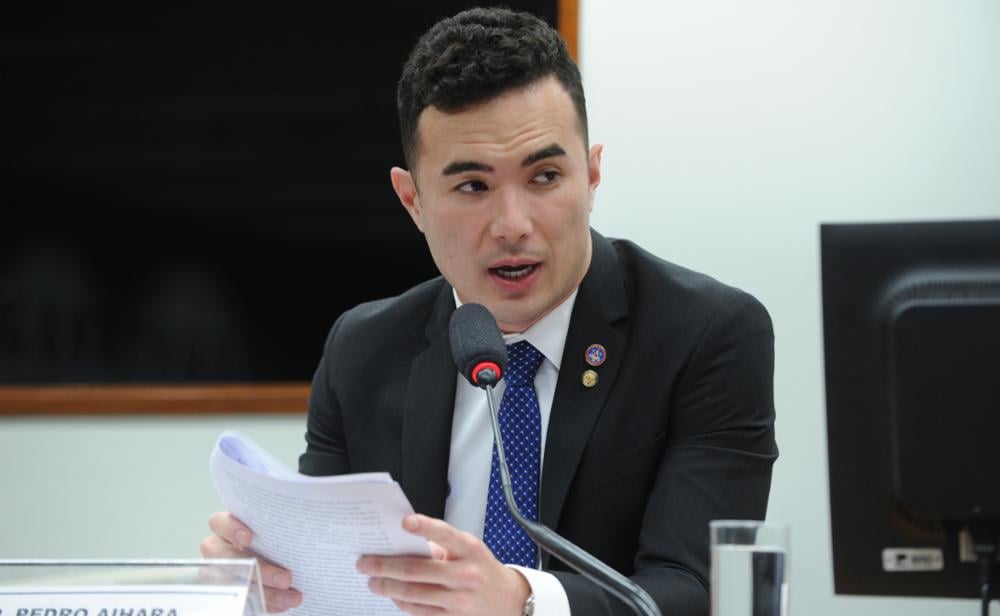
[911, 316]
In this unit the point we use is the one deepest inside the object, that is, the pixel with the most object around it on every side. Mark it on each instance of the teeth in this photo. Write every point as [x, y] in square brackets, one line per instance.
[514, 273]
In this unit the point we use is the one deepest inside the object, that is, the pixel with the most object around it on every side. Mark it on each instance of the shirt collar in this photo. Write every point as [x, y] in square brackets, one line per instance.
[548, 335]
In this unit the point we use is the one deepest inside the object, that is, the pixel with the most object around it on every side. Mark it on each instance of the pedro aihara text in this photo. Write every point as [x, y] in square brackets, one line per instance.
[68, 611]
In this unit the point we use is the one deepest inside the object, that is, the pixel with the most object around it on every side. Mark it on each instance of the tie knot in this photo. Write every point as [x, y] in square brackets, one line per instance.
[523, 361]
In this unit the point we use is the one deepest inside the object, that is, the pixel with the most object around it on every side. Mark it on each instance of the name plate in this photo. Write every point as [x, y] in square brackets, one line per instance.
[117, 601]
[130, 588]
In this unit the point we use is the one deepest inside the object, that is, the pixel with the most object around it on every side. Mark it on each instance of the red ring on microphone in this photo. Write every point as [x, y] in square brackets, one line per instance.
[483, 365]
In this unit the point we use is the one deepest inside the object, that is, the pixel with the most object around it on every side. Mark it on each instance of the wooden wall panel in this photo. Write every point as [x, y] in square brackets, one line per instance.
[134, 130]
[166, 399]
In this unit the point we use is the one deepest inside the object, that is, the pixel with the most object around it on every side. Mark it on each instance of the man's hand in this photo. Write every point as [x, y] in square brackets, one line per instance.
[231, 539]
[463, 577]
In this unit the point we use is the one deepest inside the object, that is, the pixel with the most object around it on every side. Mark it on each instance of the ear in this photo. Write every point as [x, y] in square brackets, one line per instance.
[594, 169]
[406, 190]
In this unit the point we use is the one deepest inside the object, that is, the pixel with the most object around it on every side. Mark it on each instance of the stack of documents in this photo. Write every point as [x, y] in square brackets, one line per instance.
[315, 527]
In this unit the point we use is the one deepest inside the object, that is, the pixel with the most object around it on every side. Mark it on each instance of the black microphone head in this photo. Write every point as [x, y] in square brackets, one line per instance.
[477, 345]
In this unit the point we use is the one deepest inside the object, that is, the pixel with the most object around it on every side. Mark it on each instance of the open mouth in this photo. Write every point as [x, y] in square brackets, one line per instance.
[514, 272]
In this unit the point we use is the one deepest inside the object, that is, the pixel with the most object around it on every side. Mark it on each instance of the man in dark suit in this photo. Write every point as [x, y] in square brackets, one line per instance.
[650, 394]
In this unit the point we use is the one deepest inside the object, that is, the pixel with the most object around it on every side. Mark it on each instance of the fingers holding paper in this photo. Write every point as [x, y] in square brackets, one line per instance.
[231, 538]
[463, 577]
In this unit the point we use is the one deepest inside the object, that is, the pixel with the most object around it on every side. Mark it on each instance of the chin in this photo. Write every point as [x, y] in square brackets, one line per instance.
[515, 323]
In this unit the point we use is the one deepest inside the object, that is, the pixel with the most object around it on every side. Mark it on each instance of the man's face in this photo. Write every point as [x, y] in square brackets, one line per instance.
[503, 194]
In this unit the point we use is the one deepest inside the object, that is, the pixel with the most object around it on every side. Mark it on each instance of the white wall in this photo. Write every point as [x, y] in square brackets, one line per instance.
[118, 488]
[732, 129]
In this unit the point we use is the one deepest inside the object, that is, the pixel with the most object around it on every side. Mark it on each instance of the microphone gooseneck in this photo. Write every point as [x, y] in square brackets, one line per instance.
[573, 555]
[475, 341]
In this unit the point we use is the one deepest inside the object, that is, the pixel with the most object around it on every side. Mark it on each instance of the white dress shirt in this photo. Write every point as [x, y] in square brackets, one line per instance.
[472, 446]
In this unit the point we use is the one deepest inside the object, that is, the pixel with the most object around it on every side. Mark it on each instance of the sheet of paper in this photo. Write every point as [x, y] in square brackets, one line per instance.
[316, 527]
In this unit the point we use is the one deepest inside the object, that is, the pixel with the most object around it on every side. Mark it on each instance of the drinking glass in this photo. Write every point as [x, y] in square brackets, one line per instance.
[749, 568]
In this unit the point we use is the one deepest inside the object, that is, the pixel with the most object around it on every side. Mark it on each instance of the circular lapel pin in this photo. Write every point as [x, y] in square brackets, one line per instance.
[589, 378]
[596, 354]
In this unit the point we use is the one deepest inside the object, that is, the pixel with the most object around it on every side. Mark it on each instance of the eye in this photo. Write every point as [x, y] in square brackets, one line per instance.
[471, 186]
[546, 177]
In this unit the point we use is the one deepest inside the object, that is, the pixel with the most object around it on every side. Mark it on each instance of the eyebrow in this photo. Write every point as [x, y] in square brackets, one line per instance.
[461, 166]
[549, 152]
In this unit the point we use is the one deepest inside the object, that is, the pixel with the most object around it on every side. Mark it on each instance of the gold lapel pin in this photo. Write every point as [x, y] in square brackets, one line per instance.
[589, 378]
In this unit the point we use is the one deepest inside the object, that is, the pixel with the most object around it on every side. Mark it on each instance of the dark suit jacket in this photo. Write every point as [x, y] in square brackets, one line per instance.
[679, 429]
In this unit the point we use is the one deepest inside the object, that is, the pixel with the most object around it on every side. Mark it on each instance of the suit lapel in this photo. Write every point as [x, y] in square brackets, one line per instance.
[600, 302]
[427, 415]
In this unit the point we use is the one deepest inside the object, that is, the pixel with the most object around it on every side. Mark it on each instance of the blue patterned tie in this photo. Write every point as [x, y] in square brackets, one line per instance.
[521, 428]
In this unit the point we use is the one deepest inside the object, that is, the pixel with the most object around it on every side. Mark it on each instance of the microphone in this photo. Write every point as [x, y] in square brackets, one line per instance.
[479, 351]
[477, 345]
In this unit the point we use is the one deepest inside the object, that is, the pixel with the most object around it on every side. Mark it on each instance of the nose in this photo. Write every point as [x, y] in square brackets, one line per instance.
[511, 216]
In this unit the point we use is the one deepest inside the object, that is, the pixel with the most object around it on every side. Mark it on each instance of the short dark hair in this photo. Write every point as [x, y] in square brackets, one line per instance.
[476, 56]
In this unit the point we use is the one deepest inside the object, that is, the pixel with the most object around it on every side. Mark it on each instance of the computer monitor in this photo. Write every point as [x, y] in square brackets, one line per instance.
[911, 323]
